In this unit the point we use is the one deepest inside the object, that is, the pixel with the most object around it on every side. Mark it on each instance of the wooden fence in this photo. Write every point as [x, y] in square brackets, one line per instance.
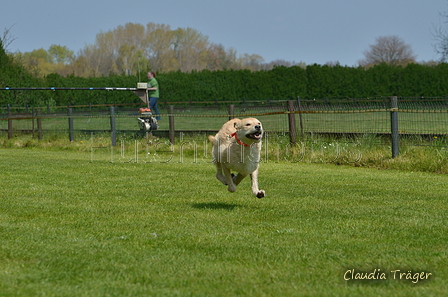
[393, 117]
[299, 114]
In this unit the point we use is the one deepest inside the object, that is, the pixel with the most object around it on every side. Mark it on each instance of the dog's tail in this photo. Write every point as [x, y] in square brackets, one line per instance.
[211, 138]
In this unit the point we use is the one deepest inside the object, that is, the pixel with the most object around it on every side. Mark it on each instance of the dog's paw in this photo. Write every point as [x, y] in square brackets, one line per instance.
[261, 194]
[232, 188]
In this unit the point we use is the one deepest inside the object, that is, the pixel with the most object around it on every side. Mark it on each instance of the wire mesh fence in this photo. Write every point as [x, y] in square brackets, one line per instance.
[344, 116]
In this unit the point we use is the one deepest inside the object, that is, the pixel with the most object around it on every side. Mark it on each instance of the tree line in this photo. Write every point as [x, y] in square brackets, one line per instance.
[132, 48]
[280, 83]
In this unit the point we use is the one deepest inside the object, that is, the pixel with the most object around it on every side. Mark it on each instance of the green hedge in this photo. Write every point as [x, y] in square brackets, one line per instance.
[315, 81]
[280, 83]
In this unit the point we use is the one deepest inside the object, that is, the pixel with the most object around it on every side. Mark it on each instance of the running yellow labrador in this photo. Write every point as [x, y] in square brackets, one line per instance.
[237, 147]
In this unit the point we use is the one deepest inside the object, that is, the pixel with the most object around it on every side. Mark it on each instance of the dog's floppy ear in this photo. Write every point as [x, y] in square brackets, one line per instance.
[237, 124]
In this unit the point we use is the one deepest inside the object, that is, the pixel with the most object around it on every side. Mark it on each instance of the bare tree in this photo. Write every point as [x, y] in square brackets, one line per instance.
[92, 56]
[440, 34]
[159, 49]
[128, 43]
[7, 38]
[391, 50]
[190, 47]
[133, 47]
[252, 62]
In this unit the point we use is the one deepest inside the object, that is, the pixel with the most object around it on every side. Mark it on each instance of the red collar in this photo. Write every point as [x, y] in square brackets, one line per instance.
[238, 140]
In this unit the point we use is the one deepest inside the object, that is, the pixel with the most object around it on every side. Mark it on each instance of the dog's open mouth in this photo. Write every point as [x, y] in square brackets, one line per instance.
[256, 135]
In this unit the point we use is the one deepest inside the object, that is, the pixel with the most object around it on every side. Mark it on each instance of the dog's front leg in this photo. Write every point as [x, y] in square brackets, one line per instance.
[219, 174]
[257, 192]
[229, 178]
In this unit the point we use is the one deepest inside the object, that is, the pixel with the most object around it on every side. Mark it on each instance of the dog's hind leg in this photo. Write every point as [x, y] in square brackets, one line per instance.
[238, 178]
[257, 192]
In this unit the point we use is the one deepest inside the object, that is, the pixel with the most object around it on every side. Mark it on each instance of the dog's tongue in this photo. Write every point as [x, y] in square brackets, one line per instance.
[255, 135]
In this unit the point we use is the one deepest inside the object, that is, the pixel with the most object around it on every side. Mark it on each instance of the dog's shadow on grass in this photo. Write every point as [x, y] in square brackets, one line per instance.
[215, 205]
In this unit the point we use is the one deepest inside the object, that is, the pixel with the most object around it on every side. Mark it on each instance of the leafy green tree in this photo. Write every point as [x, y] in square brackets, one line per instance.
[60, 54]
[4, 60]
[13, 74]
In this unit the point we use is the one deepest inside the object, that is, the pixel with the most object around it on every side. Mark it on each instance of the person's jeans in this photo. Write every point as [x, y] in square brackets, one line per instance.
[153, 106]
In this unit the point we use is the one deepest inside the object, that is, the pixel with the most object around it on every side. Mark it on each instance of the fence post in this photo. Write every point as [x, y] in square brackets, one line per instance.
[39, 125]
[71, 131]
[299, 105]
[231, 111]
[394, 126]
[292, 122]
[171, 120]
[33, 115]
[9, 122]
[113, 129]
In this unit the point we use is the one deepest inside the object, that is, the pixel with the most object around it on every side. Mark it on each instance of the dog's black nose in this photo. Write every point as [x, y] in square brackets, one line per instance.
[257, 127]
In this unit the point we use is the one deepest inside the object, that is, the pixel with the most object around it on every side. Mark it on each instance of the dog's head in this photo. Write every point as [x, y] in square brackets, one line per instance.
[249, 130]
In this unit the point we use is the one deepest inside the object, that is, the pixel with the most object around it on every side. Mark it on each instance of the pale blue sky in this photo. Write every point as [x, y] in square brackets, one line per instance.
[310, 31]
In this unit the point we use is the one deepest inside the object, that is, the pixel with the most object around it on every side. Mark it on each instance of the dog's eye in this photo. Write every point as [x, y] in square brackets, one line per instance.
[247, 124]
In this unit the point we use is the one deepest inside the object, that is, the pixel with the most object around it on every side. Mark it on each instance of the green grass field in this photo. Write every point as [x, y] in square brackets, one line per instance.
[72, 227]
